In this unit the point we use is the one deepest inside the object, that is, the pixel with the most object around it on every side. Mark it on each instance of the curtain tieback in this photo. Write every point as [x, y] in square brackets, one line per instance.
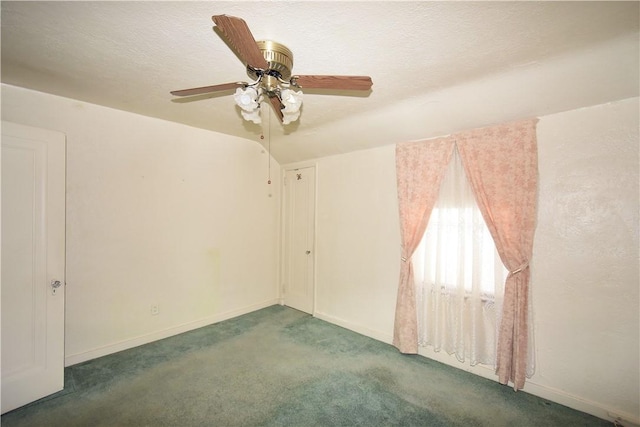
[404, 259]
[521, 268]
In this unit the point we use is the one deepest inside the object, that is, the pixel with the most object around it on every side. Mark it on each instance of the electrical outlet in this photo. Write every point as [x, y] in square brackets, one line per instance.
[155, 309]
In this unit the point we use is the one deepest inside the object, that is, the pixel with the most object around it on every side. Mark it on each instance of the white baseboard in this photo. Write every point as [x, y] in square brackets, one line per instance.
[531, 387]
[580, 404]
[73, 359]
[371, 333]
[540, 390]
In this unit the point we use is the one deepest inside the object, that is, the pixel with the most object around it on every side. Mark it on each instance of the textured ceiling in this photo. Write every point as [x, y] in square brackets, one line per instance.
[437, 67]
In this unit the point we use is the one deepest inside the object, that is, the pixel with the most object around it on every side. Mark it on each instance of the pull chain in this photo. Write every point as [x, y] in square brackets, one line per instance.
[268, 149]
[269, 152]
[269, 157]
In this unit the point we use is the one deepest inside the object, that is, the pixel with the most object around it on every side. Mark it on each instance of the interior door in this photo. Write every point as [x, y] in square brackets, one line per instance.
[33, 260]
[299, 237]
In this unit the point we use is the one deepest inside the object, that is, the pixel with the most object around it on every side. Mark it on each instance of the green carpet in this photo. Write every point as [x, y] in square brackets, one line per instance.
[281, 367]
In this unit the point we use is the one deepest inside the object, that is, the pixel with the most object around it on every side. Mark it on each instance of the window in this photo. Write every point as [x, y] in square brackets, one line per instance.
[459, 275]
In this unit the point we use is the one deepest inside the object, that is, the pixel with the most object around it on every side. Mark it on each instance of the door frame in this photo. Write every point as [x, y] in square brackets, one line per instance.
[283, 219]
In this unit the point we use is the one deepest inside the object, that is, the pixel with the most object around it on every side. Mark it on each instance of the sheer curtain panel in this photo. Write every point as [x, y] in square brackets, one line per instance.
[459, 275]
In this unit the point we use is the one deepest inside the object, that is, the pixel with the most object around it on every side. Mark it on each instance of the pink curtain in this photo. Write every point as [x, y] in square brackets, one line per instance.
[502, 166]
[420, 167]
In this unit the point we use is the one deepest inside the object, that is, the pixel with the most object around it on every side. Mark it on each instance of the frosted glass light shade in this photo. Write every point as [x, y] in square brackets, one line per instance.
[247, 99]
[289, 117]
[291, 100]
[252, 116]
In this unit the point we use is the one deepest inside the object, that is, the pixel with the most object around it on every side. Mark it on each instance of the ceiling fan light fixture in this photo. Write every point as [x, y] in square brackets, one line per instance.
[269, 64]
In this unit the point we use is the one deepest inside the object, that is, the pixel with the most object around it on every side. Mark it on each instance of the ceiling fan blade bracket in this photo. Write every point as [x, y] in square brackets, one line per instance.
[256, 70]
[273, 73]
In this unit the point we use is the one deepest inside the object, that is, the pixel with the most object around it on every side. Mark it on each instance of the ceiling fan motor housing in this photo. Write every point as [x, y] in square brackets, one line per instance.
[280, 60]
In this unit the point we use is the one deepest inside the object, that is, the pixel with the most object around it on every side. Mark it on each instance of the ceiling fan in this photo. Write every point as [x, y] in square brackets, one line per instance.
[269, 64]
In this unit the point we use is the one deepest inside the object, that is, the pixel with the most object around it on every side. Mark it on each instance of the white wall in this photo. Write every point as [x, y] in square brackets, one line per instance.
[157, 213]
[585, 266]
[358, 241]
[585, 262]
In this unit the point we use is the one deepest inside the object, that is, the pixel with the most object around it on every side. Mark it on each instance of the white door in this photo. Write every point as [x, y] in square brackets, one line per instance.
[33, 260]
[299, 226]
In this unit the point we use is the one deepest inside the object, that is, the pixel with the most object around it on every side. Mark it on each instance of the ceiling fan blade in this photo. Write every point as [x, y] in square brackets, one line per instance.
[207, 89]
[277, 106]
[332, 82]
[239, 36]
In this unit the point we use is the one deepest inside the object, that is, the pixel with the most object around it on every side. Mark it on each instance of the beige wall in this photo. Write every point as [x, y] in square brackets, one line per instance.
[157, 213]
[585, 262]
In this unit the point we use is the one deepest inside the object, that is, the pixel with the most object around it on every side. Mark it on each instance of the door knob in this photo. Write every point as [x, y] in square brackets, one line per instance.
[55, 284]
[308, 252]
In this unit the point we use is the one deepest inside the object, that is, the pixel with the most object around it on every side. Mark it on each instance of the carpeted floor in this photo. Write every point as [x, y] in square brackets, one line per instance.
[281, 367]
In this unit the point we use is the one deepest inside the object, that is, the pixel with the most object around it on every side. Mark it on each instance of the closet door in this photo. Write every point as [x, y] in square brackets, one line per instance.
[299, 237]
[33, 263]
